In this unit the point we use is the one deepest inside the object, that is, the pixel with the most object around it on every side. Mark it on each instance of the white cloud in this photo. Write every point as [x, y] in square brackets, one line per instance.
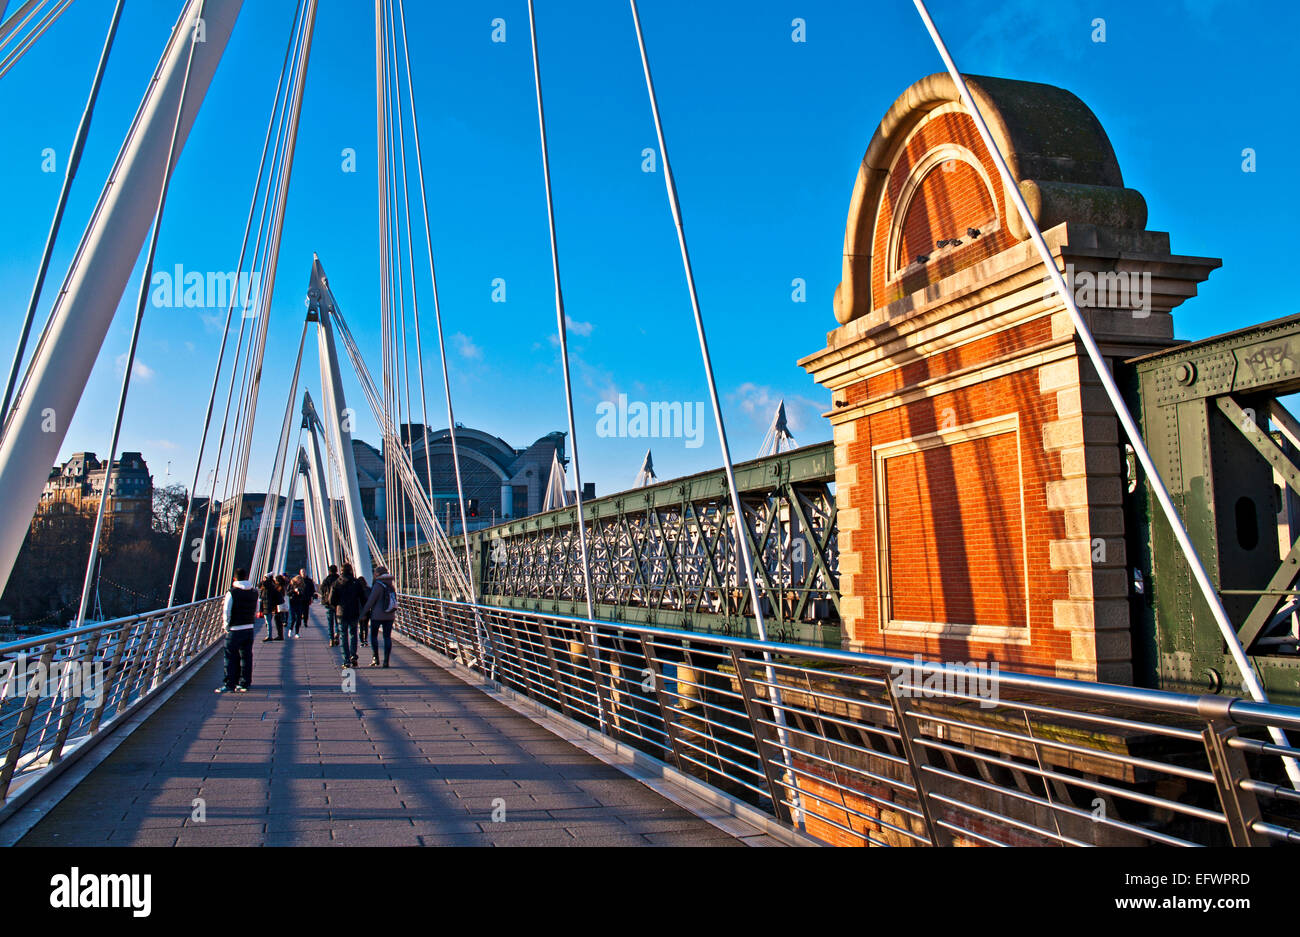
[599, 380]
[578, 328]
[465, 345]
[759, 401]
[139, 371]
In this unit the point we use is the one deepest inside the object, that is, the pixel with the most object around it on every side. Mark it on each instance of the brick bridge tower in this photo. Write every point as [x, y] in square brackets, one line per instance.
[980, 473]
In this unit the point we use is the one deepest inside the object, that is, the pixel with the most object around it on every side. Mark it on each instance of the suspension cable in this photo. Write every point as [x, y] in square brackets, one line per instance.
[233, 482]
[225, 334]
[560, 317]
[410, 258]
[437, 308]
[261, 549]
[1250, 678]
[15, 54]
[19, 19]
[142, 301]
[74, 159]
[293, 114]
[742, 534]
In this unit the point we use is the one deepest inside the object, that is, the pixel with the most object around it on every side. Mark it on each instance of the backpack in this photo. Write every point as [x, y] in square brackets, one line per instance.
[390, 599]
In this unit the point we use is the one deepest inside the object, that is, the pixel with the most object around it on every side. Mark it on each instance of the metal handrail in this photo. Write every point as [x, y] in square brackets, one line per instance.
[890, 751]
[60, 689]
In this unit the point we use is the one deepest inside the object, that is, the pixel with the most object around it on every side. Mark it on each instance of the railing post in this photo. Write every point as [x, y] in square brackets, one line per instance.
[1240, 808]
[14, 752]
[670, 729]
[148, 658]
[917, 757]
[524, 673]
[555, 670]
[167, 642]
[69, 710]
[763, 743]
[602, 692]
[110, 674]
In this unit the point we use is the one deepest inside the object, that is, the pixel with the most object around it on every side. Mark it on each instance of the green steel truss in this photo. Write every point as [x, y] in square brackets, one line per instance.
[666, 554]
[1226, 447]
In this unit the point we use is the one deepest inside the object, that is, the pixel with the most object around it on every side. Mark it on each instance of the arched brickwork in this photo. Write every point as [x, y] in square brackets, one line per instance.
[978, 465]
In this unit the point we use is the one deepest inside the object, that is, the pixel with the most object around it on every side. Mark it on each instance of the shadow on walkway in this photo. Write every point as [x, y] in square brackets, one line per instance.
[399, 757]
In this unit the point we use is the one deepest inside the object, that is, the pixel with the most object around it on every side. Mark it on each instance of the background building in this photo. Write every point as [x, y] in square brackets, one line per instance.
[75, 487]
[501, 482]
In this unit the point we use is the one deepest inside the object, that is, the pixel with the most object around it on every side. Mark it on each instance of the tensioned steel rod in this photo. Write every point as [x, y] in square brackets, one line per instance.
[385, 231]
[399, 358]
[260, 558]
[14, 55]
[281, 552]
[437, 311]
[742, 544]
[406, 473]
[74, 159]
[97, 277]
[561, 319]
[234, 481]
[742, 539]
[225, 335]
[271, 264]
[405, 360]
[20, 17]
[1249, 678]
[419, 347]
[397, 288]
[415, 301]
[141, 302]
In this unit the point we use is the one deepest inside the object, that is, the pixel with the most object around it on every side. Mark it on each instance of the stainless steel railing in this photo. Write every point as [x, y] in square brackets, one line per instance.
[61, 689]
[858, 749]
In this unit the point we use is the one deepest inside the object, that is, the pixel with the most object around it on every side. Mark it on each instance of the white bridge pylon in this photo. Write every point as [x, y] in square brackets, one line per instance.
[337, 418]
[352, 543]
[101, 269]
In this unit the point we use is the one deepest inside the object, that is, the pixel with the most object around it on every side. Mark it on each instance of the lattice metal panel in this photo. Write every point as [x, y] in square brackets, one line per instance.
[667, 554]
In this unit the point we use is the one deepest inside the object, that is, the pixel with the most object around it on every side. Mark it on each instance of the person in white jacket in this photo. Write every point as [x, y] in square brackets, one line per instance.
[239, 612]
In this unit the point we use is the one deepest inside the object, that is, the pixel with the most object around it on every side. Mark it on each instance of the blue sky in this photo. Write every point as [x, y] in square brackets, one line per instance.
[765, 135]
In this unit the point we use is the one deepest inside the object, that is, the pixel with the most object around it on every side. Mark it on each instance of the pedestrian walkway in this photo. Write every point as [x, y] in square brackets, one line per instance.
[412, 756]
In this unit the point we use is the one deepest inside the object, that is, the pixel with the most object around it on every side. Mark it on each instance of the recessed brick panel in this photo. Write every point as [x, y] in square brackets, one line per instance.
[981, 479]
[954, 533]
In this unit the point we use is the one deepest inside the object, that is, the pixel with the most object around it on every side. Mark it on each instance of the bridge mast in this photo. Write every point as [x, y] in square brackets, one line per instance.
[338, 418]
[62, 362]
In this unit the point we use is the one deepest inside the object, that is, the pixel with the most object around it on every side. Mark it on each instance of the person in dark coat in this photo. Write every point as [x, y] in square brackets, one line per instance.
[347, 596]
[271, 597]
[381, 609]
[363, 625]
[331, 619]
[282, 613]
[301, 591]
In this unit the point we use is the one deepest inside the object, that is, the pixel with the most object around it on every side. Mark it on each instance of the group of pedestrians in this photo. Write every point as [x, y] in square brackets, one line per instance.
[351, 609]
[286, 600]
